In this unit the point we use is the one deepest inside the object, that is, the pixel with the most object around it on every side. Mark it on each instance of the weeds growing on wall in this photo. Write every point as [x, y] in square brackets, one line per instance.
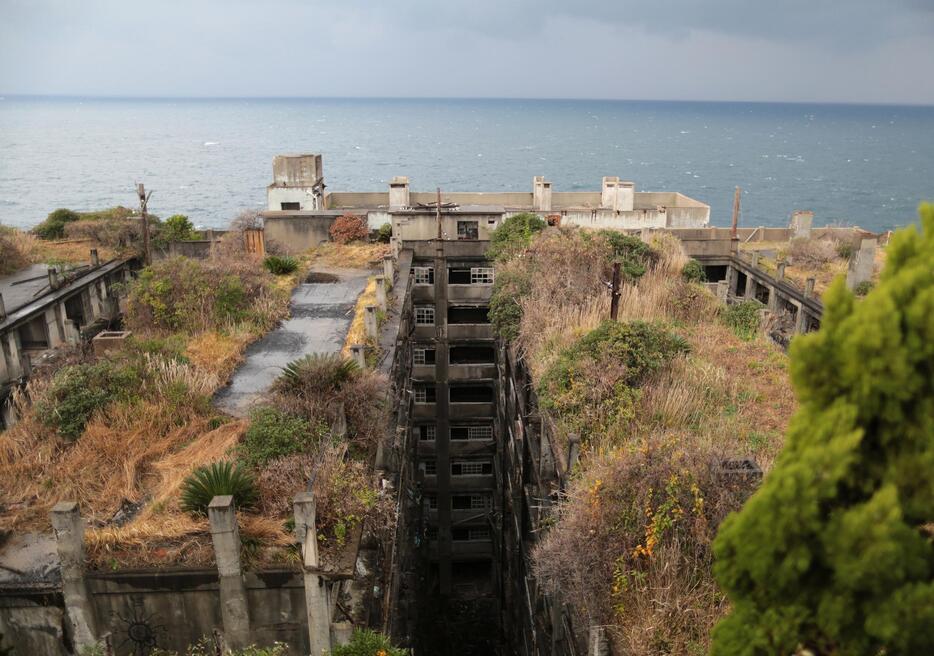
[693, 271]
[514, 235]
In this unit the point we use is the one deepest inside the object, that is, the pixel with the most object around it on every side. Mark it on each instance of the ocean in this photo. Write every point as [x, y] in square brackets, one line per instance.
[851, 164]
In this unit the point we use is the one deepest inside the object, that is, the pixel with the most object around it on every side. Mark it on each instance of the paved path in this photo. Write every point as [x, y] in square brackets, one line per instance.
[321, 316]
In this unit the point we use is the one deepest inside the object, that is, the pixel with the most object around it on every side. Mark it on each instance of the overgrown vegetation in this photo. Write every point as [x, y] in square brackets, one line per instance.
[365, 642]
[833, 554]
[217, 479]
[592, 385]
[348, 228]
[12, 256]
[280, 265]
[208, 647]
[78, 391]
[743, 318]
[274, 433]
[54, 225]
[659, 399]
[514, 235]
[175, 228]
[316, 373]
[184, 295]
[693, 271]
[384, 233]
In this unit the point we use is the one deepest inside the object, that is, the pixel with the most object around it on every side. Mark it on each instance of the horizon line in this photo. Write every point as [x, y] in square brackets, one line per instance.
[5, 96]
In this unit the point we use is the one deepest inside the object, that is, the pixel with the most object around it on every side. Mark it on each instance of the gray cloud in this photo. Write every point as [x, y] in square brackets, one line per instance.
[847, 50]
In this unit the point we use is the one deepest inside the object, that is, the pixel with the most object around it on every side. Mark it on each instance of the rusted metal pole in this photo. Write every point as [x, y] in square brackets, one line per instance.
[735, 214]
[614, 301]
[144, 218]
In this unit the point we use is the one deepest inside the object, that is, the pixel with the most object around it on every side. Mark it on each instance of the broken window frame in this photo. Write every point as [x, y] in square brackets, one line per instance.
[468, 230]
[423, 275]
[481, 275]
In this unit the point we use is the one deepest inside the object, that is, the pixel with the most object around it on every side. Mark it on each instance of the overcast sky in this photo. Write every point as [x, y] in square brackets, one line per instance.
[794, 50]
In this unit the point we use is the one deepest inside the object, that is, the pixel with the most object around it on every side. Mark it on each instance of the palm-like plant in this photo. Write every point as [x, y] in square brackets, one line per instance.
[315, 373]
[280, 265]
[217, 479]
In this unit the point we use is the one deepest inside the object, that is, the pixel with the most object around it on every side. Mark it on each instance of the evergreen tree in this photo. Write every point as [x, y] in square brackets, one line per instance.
[835, 552]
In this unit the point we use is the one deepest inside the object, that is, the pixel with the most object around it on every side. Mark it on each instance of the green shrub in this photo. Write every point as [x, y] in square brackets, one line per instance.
[514, 235]
[54, 225]
[743, 318]
[384, 234]
[78, 391]
[280, 265]
[273, 433]
[591, 384]
[693, 271]
[505, 312]
[833, 553]
[633, 254]
[183, 295]
[316, 373]
[175, 228]
[365, 642]
[863, 288]
[217, 479]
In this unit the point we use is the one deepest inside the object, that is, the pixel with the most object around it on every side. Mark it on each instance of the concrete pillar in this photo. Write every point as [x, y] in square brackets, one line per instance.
[316, 586]
[5, 375]
[541, 194]
[371, 328]
[94, 301]
[732, 280]
[2, 308]
[781, 271]
[801, 222]
[773, 300]
[755, 259]
[809, 288]
[341, 632]
[235, 612]
[723, 290]
[861, 264]
[750, 288]
[95, 258]
[399, 192]
[53, 278]
[388, 267]
[574, 451]
[597, 643]
[16, 361]
[55, 326]
[801, 320]
[69, 538]
[625, 196]
[358, 355]
[381, 292]
[609, 198]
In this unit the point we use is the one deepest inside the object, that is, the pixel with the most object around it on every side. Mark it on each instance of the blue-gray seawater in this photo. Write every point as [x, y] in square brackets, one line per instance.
[863, 165]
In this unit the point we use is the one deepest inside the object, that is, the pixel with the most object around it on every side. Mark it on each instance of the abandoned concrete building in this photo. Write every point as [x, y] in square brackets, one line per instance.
[298, 208]
[476, 473]
[42, 308]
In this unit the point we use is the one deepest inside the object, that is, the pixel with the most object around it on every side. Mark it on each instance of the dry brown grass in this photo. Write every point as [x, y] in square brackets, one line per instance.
[357, 255]
[727, 398]
[356, 334]
[19, 249]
